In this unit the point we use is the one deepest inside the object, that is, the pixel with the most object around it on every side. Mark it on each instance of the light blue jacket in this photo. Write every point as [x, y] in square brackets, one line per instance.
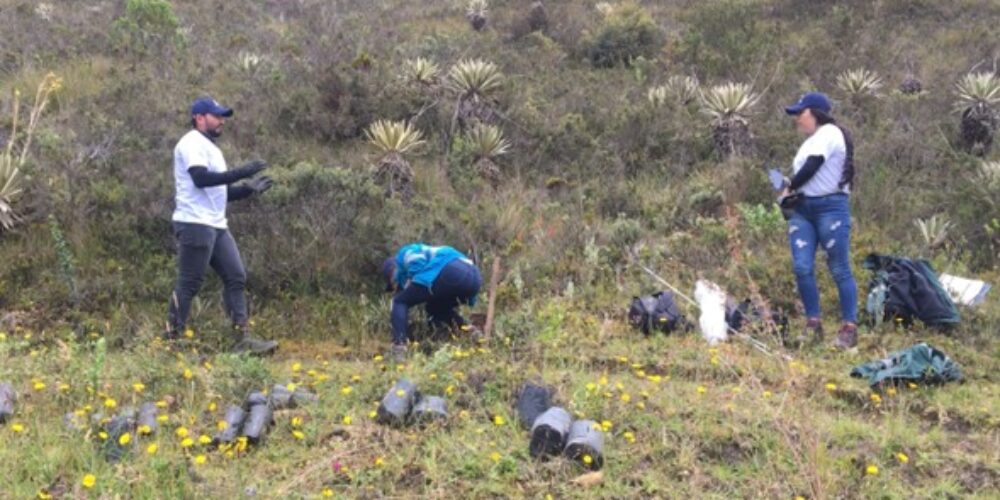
[421, 264]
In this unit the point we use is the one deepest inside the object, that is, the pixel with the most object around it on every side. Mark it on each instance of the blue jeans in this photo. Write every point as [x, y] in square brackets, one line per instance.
[823, 222]
[457, 284]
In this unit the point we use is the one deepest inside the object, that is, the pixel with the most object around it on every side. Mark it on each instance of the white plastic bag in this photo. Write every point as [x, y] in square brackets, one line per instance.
[711, 301]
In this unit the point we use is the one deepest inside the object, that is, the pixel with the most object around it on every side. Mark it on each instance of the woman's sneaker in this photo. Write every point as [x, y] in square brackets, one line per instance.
[847, 337]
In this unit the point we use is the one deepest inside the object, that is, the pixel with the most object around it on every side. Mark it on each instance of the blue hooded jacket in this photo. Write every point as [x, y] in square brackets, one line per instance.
[421, 264]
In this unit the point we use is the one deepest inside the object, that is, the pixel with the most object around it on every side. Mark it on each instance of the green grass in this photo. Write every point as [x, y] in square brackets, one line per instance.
[711, 423]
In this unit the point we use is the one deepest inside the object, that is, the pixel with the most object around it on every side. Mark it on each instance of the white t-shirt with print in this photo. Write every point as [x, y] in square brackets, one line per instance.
[194, 204]
[828, 142]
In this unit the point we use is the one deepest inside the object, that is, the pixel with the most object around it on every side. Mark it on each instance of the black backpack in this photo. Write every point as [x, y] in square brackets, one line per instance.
[740, 314]
[904, 289]
[656, 312]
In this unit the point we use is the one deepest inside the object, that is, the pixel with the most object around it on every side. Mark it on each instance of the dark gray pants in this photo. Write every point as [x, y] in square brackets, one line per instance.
[198, 247]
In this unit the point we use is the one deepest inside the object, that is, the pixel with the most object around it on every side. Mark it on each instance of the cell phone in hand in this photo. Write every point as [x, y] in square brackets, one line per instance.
[777, 180]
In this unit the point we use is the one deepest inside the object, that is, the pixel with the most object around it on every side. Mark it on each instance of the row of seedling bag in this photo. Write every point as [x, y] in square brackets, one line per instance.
[251, 420]
[553, 430]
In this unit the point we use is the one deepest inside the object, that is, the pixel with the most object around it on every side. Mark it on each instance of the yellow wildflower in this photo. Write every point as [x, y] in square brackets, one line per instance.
[88, 481]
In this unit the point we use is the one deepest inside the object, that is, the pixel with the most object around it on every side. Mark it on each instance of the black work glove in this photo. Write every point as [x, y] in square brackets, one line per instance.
[253, 168]
[260, 184]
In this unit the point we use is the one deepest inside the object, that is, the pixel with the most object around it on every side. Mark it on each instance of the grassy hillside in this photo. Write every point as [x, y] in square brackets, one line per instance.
[610, 153]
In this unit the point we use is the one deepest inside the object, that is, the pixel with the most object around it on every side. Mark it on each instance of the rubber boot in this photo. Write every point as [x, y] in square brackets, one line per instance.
[244, 342]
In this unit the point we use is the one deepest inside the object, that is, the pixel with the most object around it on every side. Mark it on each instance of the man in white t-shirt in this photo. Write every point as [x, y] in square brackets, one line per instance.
[203, 187]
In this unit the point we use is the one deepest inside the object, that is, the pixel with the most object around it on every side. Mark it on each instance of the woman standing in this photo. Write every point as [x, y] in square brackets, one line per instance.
[818, 194]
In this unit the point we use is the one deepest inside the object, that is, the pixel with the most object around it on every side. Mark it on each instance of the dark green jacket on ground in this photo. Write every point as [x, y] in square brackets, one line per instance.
[920, 363]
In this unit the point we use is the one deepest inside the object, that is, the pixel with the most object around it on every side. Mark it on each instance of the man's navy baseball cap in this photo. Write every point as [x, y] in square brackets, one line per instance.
[208, 106]
[811, 100]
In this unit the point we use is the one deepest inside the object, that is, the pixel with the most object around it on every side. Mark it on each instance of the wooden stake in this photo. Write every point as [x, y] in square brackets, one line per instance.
[491, 307]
